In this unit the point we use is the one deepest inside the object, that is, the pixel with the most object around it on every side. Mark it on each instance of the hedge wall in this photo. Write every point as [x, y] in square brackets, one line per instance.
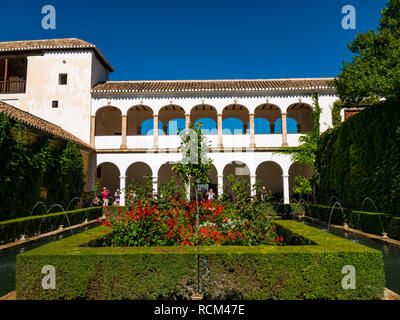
[47, 169]
[323, 213]
[12, 230]
[360, 159]
[260, 272]
[370, 222]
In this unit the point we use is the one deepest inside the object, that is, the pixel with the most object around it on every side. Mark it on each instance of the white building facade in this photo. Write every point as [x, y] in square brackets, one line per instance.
[133, 125]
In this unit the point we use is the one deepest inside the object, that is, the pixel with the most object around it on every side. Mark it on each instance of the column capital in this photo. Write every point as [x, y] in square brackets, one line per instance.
[284, 113]
[285, 176]
[220, 114]
[252, 114]
[124, 115]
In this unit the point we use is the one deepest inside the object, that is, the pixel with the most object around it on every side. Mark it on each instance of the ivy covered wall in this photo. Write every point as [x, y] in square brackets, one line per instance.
[33, 169]
[361, 158]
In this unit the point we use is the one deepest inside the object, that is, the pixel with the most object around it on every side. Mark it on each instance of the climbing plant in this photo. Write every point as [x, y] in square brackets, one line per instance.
[305, 152]
[46, 169]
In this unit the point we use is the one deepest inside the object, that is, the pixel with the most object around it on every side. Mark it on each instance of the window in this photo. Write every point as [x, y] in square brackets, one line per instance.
[54, 104]
[62, 79]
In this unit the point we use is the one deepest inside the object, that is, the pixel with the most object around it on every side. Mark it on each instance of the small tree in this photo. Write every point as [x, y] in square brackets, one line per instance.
[375, 69]
[303, 186]
[194, 168]
[195, 165]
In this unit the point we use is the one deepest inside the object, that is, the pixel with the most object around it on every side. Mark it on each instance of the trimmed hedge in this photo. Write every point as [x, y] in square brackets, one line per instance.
[323, 213]
[12, 230]
[360, 159]
[370, 222]
[287, 210]
[259, 272]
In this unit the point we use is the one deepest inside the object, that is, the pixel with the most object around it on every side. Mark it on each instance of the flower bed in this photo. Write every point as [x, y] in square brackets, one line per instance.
[308, 270]
[175, 224]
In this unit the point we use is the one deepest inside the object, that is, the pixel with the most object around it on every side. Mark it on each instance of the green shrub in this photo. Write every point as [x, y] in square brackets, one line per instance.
[323, 213]
[393, 228]
[310, 271]
[12, 230]
[360, 159]
[49, 170]
[370, 222]
[288, 210]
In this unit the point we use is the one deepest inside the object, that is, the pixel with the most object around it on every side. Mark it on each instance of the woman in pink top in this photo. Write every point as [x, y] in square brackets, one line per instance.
[105, 195]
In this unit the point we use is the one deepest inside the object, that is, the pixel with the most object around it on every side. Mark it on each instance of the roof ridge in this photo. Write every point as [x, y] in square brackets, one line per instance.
[54, 44]
[48, 39]
[213, 80]
[29, 119]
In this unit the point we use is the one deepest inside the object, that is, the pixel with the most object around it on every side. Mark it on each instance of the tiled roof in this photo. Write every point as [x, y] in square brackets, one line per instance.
[52, 44]
[211, 85]
[39, 123]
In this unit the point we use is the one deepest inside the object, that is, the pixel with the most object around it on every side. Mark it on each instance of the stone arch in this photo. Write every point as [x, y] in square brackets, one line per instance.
[108, 121]
[165, 173]
[136, 171]
[237, 168]
[301, 113]
[208, 114]
[107, 174]
[168, 116]
[237, 112]
[269, 173]
[136, 117]
[269, 112]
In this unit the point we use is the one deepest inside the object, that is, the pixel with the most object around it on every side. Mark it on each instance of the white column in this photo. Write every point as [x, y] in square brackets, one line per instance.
[286, 199]
[284, 130]
[122, 190]
[252, 132]
[123, 129]
[220, 186]
[252, 185]
[155, 185]
[219, 129]
[155, 133]
[187, 121]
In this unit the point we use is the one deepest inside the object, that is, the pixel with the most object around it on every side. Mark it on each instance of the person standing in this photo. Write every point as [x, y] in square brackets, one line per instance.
[117, 198]
[263, 194]
[105, 194]
[210, 194]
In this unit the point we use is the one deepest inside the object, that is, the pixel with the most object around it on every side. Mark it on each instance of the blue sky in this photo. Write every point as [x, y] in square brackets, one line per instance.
[207, 39]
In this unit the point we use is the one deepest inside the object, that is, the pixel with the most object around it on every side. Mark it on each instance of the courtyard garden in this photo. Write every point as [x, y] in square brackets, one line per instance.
[180, 243]
[172, 246]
